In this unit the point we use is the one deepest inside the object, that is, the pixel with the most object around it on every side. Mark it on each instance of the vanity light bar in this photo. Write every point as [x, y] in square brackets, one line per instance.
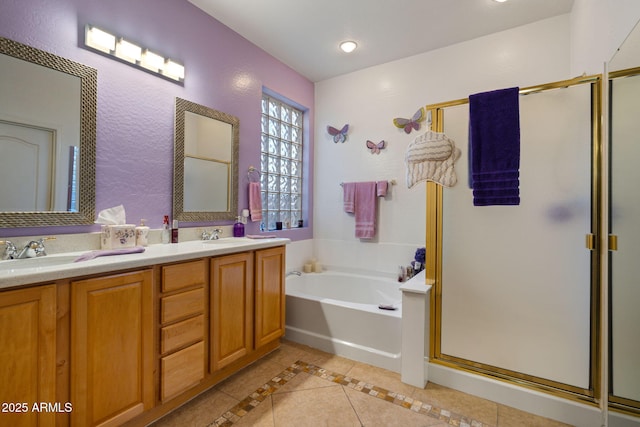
[100, 40]
[152, 61]
[128, 51]
[173, 70]
[132, 53]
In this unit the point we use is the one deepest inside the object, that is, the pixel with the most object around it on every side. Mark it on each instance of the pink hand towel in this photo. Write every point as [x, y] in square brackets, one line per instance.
[382, 187]
[255, 201]
[349, 190]
[365, 206]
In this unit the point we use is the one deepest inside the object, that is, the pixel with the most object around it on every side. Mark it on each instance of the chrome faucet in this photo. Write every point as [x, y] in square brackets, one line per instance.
[34, 248]
[10, 250]
[293, 272]
[211, 235]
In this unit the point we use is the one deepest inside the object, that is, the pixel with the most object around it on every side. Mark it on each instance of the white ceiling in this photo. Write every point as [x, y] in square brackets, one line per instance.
[305, 34]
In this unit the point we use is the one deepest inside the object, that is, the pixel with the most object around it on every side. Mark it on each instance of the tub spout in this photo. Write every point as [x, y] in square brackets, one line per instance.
[291, 273]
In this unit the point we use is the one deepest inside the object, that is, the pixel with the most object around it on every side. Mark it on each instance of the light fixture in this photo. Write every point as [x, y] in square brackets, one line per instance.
[128, 51]
[348, 46]
[500, 1]
[173, 70]
[99, 39]
[152, 61]
[132, 53]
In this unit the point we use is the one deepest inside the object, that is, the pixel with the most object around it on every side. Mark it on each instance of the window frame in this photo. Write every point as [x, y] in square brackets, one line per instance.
[283, 203]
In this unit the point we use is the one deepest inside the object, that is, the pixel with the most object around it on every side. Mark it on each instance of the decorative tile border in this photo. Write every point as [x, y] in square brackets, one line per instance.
[246, 405]
[254, 399]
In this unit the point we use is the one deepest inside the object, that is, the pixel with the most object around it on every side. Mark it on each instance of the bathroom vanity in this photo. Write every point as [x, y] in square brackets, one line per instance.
[125, 339]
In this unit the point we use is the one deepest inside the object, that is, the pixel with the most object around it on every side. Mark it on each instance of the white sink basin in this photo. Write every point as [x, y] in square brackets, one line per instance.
[44, 261]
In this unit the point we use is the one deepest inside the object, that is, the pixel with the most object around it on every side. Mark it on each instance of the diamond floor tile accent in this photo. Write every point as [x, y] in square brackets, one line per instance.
[234, 414]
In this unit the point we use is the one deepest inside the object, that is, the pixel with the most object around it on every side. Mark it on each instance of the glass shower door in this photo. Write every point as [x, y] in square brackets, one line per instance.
[624, 269]
[515, 292]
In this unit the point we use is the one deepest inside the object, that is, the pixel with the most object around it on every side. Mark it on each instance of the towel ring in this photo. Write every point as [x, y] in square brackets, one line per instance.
[253, 175]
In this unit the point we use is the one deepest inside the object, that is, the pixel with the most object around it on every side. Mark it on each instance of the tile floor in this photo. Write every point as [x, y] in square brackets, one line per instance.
[300, 386]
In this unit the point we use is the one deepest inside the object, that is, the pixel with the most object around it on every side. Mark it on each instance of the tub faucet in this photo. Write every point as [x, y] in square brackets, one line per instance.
[291, 273]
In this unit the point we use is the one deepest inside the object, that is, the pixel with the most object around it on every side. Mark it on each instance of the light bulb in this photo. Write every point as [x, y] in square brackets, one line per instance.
[348, 46]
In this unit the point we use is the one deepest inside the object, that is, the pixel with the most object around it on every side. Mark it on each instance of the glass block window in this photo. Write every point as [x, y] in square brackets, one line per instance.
[281, 163]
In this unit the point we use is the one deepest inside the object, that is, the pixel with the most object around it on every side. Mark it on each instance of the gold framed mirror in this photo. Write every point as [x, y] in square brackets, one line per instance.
[205, 165]
[82, 142]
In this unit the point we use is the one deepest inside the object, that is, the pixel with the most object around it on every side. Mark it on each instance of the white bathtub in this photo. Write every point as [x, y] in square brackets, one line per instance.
[339, 313]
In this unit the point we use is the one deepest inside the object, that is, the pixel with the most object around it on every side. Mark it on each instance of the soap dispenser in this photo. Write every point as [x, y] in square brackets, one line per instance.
[142, 234]
[166, 233]
[238, 228]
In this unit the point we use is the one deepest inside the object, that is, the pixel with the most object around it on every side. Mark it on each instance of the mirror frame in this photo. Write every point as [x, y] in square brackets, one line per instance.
[183, 106]
[88, 107]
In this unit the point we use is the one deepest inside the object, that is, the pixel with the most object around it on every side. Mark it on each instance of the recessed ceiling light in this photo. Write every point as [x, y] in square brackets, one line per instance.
[500, 1]
[348, 46]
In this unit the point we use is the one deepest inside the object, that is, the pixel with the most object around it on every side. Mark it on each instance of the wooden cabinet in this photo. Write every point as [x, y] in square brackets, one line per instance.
[270, 295]
[128, 347]
[27, 355]
[183, 357]
[111, 348]
[231, 312]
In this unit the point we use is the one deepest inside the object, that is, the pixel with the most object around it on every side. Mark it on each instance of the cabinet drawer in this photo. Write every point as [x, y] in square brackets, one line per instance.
[181, 305]
[179, 276]
[182, 370]
[182, 333]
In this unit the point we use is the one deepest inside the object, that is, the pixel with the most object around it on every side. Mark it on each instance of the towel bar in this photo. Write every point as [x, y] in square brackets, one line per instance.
[392, 182]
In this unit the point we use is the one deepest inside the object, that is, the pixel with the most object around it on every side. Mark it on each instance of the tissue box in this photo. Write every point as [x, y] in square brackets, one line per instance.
[118, 236]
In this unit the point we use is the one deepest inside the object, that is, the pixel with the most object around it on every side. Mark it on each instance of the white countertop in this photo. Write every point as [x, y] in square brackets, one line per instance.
[417, 284]
[61, 266]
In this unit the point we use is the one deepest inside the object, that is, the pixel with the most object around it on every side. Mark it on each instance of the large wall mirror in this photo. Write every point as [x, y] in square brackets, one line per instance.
[205, 177]
[47, 138]
[624, 211]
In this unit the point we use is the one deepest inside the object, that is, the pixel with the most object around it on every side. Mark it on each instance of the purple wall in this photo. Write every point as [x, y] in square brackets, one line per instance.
[134, 160]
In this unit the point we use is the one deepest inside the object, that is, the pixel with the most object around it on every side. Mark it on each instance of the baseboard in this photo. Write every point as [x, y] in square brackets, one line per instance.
[525, 399]
[617, 419]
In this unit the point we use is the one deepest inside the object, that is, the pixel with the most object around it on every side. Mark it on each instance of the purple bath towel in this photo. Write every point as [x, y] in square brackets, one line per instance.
[365, 209]
[494, 147]
[360, 198]
[349, 197]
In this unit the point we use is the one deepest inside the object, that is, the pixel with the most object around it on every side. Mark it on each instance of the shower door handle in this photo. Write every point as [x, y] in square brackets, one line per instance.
[590, 242]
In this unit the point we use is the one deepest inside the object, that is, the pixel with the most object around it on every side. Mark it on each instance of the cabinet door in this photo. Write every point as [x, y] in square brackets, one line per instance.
[182, 370]
[270, 295]
[231, 313]
[27, 355]
[111, 348]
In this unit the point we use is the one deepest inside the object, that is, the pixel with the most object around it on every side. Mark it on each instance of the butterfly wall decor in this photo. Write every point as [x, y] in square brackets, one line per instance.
[375, 148]
[410, 124]
[338, 135]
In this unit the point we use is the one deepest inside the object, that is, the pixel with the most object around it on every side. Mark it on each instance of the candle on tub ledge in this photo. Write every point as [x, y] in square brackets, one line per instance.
[307, 268]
